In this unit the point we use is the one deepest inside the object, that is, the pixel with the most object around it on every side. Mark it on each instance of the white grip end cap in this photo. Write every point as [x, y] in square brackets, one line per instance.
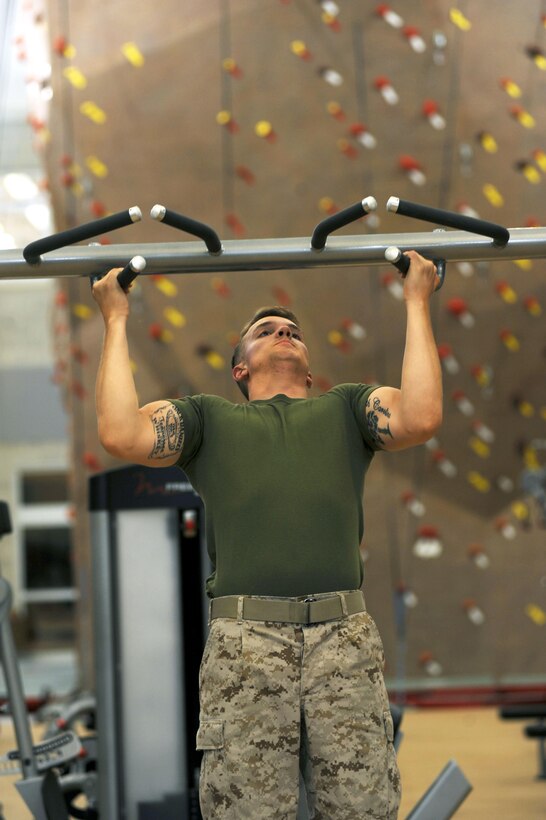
[135, 213]
[138, 263]
[158, 212]
[369, 203]
[392, 204]
[393, 254]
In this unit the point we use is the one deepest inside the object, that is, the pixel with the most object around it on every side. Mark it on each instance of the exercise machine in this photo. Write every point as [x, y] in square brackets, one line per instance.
[45, 790]
[150, 619]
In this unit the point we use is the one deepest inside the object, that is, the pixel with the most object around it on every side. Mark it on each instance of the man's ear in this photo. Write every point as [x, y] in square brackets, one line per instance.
[240, 372]
[309, 380]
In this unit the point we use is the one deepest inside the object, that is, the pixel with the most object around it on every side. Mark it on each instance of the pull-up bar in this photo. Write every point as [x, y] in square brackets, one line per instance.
[273, 254]
[471, 243]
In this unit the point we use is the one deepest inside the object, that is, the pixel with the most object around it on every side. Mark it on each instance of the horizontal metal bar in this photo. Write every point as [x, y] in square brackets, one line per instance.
[49, 596]
[273, 254]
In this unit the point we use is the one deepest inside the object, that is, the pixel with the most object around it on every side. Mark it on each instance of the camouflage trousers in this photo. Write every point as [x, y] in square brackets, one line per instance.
[277, 698]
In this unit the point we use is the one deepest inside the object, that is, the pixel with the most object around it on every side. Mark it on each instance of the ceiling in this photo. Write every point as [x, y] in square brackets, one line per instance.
[138, 116]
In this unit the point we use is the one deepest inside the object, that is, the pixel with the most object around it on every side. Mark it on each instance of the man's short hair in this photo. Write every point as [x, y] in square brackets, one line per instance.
[277, 310]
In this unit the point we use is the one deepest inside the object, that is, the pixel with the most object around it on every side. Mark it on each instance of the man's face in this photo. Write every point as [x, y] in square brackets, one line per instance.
[274, 339]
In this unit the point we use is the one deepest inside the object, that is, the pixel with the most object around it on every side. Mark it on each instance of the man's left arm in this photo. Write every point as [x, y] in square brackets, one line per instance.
[405, 417]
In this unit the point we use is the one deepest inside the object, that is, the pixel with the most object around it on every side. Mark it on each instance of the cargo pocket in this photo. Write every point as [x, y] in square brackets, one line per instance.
[393, 774]
[210, 735]
[210, 741]
[389, 726]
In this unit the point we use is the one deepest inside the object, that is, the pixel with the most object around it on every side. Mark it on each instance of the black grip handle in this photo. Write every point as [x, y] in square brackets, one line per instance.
[339, 220]
[125, 276]
[185, 223]
[131, 271]
[398, 259]
[402, 262]
[497, 233]
[34, 250]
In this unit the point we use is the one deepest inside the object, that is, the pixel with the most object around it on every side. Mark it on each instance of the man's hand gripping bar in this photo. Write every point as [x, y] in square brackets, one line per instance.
[402, 263]
[125, 276]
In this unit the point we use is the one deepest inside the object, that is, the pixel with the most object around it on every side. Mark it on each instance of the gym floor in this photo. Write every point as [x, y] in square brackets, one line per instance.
[494, 755]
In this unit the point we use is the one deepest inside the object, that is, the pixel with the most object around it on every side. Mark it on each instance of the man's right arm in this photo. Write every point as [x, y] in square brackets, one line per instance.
[152, 435]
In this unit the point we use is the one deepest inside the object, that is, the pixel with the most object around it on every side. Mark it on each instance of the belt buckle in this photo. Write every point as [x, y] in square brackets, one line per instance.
[343, 603]
[309, 600]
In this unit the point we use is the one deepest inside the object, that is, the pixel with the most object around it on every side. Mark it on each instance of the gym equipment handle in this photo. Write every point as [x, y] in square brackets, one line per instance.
[339, 220]
[402, 263]
[51, 752]
[131, 271]
[498, 234]
[398, 259]
[125, 276]
[185, 223]
[34, 250]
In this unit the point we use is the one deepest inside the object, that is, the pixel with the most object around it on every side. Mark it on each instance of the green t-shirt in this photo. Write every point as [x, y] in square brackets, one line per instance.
[282, 482]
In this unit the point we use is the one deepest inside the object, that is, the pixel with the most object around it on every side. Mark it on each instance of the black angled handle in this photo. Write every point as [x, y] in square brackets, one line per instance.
[185, 223]
[497, 233]
[339, 220]
[34, 250]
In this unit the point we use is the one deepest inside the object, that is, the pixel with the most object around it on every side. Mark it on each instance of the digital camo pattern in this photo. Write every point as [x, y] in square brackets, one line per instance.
[260, 684]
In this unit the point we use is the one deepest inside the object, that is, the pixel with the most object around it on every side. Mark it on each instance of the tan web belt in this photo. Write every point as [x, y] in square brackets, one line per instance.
[310, 610]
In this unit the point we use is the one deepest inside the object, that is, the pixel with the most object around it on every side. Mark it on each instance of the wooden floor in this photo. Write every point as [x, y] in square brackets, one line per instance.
[494, 755]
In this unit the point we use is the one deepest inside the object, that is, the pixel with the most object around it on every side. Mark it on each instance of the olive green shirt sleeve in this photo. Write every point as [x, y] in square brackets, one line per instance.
[191, 408]
[356, 396]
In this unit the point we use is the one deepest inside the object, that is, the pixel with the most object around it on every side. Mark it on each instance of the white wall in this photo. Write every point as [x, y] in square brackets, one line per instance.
[25, 323]
[33, 424]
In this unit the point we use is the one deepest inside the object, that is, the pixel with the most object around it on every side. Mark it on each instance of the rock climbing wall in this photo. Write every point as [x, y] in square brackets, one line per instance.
[260, 118]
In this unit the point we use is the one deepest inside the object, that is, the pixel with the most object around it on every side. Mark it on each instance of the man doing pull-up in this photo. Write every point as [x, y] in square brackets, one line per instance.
[292, 673]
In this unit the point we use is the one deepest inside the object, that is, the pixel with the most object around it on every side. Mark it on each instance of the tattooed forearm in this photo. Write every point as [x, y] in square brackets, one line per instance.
[168, 427]
[373, 410]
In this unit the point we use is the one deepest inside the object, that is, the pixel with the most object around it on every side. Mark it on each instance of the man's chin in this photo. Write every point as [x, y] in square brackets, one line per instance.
[285, 354]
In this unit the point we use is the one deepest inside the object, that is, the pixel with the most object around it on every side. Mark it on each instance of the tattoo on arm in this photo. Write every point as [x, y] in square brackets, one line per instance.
[168, 427]
[374, 410]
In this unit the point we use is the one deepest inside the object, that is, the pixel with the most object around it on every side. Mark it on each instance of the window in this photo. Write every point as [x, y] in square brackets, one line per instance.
[48, 593]
[47, 558]
[44, 488]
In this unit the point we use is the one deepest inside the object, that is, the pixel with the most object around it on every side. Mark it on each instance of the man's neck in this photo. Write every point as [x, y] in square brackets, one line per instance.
[268, 388]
